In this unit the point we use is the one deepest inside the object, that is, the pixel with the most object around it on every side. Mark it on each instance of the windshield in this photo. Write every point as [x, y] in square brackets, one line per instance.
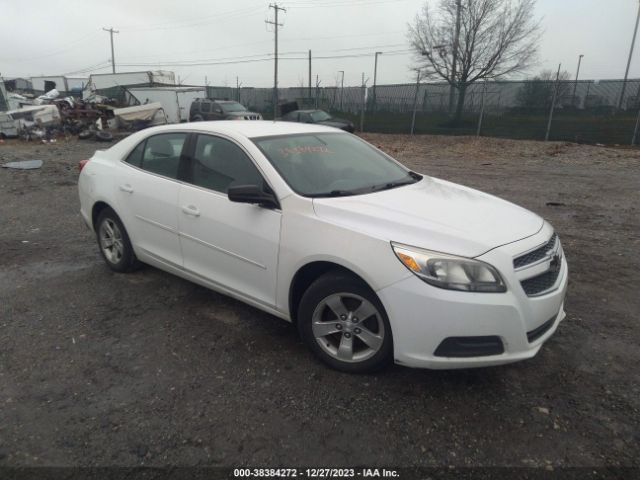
[233, 107]
[332, 164]
[320, 116]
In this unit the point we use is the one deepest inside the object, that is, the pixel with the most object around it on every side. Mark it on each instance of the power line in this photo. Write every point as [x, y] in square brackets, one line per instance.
[194, 22]
[91, 68]
[337, 4]
[201, 60]
[269, 57]
[68, 46]
[244, 57]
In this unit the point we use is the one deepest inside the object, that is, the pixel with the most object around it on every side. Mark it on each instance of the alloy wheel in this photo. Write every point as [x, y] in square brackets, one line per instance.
[111, 241]
[348, 327]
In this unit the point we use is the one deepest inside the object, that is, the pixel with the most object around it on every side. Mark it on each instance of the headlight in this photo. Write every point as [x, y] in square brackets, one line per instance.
[448, 271]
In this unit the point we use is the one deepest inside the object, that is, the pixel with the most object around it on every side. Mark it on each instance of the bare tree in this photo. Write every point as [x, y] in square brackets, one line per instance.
[537, 93]
[463, 41]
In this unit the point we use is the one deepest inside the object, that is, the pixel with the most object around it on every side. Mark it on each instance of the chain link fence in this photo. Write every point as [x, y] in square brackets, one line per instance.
[585, 111]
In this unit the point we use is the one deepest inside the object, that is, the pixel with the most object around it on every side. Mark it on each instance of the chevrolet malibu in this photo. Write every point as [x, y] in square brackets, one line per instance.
[372, 262]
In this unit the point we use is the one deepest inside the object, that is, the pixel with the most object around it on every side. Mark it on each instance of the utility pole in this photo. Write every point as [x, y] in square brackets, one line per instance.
[626, 73]
[454, 63]
[238, 85]
[309, 74]
[341, 88]
[275, 24]
[375, 78]
[113, 58]
[575, 85]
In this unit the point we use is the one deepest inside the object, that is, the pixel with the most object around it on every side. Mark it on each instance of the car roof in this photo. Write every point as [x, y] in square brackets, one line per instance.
[246, 128]
[309, 111]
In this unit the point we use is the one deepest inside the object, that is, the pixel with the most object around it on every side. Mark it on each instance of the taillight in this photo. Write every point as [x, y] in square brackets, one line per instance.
[81, 164]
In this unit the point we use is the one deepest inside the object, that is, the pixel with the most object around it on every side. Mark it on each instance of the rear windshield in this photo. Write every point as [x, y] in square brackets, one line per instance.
[332, 164]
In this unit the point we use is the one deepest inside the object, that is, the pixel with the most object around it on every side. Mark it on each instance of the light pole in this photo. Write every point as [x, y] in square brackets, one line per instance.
[626, 74]
[375, 78]
[575, 85]
[341, 88]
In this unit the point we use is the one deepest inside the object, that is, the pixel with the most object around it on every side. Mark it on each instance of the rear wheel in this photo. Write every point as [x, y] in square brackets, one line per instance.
[114, 242]
[197, 118]
[343, 322]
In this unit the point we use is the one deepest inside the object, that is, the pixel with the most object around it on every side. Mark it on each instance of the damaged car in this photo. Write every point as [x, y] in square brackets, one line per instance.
[372, 262]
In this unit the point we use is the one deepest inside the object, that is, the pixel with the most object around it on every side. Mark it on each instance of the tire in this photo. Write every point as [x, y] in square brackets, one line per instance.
[103, 136]
[197, 118]
[114, 244]
[337, 336]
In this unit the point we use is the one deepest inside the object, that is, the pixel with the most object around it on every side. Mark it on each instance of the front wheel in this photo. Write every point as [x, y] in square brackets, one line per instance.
[114, 242]
[343, 322]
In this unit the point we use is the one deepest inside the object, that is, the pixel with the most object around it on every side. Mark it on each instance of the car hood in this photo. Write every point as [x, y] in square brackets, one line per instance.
[240, 114]
[433, 214]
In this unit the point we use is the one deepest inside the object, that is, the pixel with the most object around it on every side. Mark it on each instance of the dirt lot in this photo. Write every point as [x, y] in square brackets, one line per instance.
[98, 368]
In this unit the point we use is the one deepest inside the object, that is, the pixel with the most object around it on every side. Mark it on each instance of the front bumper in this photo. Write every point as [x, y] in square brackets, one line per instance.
[423, 316]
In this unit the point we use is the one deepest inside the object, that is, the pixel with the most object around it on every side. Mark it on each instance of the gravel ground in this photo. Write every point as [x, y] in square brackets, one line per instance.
[98, 368]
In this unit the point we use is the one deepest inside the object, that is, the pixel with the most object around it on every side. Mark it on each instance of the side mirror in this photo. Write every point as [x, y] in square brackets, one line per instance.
[252, 194]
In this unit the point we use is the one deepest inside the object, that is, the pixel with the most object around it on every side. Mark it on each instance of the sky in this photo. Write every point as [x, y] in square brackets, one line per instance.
[44, 37]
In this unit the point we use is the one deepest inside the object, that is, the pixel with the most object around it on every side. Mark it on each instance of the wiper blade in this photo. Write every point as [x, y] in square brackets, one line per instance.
[390, 185]
[414, 178]
[336, 193]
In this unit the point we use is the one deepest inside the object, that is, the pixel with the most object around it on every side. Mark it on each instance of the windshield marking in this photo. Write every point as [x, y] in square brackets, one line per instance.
[287, 151]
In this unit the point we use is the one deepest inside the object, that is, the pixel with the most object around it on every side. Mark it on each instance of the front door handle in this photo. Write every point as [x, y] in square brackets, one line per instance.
[126, 188]
[191, 210]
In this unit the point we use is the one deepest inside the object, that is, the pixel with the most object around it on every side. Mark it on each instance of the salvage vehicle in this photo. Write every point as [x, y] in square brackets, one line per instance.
[319, 117]
[207, 109]
[372, 261]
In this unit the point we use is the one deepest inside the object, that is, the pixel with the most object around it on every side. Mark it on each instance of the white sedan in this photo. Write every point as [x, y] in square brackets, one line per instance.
[371, 261]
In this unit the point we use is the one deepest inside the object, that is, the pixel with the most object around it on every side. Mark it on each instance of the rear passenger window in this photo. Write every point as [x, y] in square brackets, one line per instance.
[162, 154]
[135, 157]
[219, 163]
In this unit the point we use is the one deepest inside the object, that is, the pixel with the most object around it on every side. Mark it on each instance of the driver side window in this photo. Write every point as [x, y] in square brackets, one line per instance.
[218, 163]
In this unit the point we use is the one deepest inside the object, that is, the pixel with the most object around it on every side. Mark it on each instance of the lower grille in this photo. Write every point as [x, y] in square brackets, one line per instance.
[470, 347]
[540, 283]
[536, 333]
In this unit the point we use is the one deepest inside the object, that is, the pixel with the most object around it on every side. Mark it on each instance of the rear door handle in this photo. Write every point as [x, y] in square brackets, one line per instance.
[191, 210]
[126, 188]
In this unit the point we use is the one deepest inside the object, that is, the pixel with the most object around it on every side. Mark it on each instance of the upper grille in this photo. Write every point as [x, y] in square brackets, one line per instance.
[540, 283]
[537, 254]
